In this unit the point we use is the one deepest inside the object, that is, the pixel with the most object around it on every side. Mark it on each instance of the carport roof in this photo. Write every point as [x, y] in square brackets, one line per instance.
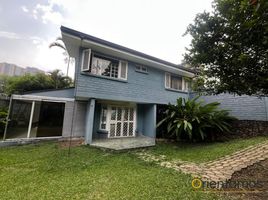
[56, 95]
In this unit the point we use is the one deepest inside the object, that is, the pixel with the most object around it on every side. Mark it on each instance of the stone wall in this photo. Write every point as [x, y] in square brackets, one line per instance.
[249, 128]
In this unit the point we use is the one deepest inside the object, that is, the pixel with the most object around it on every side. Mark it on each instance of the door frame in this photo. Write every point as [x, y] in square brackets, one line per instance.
[108, 119]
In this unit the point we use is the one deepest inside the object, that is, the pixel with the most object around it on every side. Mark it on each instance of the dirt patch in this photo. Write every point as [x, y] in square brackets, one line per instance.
[257, 172]
[72, 143]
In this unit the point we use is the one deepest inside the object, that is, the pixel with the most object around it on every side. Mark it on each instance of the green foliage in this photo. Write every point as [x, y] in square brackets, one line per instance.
[21, 84]
[59, 80]
[193, 120]
[3, 83]
[3, 116]
[230, 45]
[28, 82]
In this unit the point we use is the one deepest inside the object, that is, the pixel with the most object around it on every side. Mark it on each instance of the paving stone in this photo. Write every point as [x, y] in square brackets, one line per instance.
[220, 169]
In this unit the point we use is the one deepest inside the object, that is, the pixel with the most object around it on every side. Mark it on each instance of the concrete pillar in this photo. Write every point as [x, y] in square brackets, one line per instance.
[149, 125]
[89, 121]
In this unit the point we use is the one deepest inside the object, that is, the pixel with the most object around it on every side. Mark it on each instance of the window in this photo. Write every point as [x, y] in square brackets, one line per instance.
[103, 66]
[140, 68]
[173, 82]
[176, 82]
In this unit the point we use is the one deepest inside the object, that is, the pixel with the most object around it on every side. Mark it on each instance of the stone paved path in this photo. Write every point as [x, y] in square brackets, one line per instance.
[217, 170]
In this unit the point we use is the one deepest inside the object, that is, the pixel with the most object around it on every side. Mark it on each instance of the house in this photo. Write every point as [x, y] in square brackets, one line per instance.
[116, 94]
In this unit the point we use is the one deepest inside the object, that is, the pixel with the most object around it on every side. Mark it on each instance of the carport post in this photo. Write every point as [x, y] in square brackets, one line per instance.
[31, 120]
[89, 121]
[7, 119]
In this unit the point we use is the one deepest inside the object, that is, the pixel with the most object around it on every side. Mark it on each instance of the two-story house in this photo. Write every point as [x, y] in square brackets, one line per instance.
[116, 94]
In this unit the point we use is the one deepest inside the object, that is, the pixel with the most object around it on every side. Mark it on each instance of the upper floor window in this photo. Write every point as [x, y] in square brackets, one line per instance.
[141, 68]
[175, 82]
[103, 66]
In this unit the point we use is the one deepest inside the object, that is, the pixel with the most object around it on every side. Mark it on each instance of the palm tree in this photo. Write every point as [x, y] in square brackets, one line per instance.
[59, 80]
[59, 43]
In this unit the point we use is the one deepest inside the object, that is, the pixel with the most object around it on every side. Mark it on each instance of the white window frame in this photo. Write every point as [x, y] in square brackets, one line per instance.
[139, 68]
[168, 75]
[108, 119]
[89, 59]
[119, 68]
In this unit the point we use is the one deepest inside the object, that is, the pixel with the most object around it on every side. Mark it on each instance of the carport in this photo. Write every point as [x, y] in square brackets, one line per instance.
[33, 116]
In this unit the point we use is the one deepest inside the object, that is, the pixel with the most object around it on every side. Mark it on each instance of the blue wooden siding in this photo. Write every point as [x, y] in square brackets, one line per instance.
[146, 120]
[139, 87]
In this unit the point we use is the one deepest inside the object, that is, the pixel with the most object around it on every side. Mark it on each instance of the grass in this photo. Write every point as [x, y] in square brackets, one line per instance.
[202, 152]
[45, 171]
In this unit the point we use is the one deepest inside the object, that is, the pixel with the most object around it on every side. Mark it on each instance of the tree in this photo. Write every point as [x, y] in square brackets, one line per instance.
[230, 47]
[59, 43]
[21, 84]
[59, 80]
[28, 82]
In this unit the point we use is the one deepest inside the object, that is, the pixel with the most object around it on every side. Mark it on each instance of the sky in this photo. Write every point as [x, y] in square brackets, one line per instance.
[154, 27]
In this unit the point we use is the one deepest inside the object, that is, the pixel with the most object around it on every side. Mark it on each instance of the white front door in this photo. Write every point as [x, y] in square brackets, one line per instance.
[120, 120]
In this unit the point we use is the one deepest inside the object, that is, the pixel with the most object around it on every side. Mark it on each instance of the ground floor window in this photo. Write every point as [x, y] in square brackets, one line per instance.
[119, 121]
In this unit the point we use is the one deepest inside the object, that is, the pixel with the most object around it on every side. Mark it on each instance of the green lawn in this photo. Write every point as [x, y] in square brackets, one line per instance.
[45, 171]
[202, 152]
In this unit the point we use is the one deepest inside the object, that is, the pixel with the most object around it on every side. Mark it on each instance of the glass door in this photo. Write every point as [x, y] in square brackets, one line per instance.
[120, 121]
[19, 119]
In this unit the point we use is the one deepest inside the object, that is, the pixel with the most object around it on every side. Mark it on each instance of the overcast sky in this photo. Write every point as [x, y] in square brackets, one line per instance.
[154, 27]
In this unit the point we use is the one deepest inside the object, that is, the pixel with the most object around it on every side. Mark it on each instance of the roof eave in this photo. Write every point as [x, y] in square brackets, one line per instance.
[81, 37]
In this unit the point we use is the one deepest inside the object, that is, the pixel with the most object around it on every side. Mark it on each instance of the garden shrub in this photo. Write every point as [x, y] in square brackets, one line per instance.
[194, 120]
[3, 116]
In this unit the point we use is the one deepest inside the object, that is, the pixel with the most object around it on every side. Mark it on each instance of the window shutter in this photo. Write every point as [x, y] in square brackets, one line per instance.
[86, 60]
[123, 69]
[167, 81]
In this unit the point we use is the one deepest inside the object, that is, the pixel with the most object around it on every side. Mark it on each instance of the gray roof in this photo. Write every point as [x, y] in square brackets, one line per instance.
[121, 48]
[61, 93]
